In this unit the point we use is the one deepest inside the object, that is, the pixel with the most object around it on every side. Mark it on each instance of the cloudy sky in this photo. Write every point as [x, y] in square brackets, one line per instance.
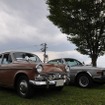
[24, 26]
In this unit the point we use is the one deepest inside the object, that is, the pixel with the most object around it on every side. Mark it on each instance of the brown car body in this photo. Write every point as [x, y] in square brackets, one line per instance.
[23, 71]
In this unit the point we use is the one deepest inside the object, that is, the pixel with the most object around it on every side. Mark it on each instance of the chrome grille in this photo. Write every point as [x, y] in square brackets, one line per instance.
[55, 76]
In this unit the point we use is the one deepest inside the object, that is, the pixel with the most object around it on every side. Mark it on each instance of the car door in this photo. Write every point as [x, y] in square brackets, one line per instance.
[74, 64]
[5, 69]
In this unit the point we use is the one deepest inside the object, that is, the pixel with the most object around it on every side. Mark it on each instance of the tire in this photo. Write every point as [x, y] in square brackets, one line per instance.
[84, 80]
[23, 88]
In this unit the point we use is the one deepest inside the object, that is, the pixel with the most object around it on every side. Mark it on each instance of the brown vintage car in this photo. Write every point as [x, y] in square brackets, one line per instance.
[23, 71]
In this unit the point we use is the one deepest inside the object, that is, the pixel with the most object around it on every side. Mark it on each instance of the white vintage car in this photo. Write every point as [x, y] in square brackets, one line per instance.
[81, 74]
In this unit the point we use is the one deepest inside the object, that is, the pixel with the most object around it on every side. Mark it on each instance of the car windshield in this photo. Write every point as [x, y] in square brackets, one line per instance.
[26, 56]
[73, 62]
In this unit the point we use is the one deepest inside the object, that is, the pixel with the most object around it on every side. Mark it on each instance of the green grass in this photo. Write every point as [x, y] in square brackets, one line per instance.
[70, 95]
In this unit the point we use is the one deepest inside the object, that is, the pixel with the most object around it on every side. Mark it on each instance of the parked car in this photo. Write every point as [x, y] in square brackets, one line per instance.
[23, 71]
[80, 74]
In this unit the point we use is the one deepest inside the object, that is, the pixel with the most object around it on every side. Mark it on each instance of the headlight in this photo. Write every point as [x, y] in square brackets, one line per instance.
[67, 68]
[39, 68]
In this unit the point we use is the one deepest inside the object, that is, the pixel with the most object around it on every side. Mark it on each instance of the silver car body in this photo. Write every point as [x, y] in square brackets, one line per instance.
[76, 68]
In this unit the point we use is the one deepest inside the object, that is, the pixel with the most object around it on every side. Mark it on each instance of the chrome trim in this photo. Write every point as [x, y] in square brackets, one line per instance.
[37, 83]
[83, 72]
[42, 83]
[39, 68]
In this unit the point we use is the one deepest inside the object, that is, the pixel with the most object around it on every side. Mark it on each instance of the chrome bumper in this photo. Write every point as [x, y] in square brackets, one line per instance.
[48, 83]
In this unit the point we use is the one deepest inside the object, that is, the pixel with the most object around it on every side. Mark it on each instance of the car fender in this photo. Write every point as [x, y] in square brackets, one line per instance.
[80, 72]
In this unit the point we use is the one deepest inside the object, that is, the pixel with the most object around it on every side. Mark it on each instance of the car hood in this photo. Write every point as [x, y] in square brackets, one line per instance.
[53, 67]
[86, 68]
[46, 67]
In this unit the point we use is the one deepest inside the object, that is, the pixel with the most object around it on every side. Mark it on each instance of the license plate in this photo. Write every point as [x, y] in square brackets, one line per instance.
[59, 82]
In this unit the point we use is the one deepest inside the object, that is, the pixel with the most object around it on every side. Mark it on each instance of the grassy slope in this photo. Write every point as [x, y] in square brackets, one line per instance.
[70, 95]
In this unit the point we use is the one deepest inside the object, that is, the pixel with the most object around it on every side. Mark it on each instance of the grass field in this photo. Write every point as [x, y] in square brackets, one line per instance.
[70, 95]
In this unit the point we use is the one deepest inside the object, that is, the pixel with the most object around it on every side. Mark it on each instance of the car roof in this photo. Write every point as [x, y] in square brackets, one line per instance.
[61, 58]
[14, 52]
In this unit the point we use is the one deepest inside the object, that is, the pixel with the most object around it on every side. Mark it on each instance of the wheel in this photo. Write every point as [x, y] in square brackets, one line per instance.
[23, 87]
[84, 80]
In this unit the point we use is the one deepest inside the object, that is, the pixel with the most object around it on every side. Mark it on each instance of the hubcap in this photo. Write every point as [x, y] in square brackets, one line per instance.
[83, 81]
[23, 87]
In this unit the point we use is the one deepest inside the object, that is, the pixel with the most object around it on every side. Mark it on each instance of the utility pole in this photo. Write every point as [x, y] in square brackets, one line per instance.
[43, 49]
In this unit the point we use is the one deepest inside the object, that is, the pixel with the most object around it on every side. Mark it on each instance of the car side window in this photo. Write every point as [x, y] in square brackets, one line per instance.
[34, 58]
[59, 61]
[73, 62]
[53, 62]
[56, 61]
[6, 59]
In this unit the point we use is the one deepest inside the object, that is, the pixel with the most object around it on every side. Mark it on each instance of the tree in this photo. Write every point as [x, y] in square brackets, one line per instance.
[84, 23]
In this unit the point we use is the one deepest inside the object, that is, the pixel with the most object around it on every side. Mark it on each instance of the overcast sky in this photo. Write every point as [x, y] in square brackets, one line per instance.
[24, 26]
